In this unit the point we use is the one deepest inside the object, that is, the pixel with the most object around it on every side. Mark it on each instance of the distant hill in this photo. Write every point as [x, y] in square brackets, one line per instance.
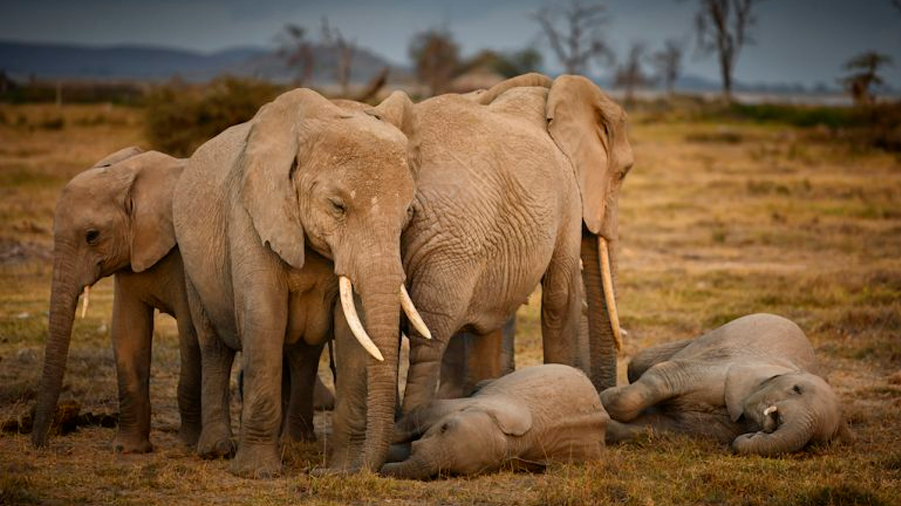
[21, 60]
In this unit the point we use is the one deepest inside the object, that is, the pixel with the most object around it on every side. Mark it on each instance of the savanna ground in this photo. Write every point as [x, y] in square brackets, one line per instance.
[718, 220]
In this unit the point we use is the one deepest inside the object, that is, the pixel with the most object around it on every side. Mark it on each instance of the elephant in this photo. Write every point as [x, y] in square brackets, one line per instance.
[529, 418]
[115, 219]
[750, 382]
[277, 218]
[516, 185]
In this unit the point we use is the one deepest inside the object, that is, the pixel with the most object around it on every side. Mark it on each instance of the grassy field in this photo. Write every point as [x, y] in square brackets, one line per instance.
[718, 220]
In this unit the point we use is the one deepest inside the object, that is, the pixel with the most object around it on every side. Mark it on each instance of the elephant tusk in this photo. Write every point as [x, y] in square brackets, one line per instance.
[607, 281]
[85, 301]
[407, 303]
[346, 290]
[771, 409]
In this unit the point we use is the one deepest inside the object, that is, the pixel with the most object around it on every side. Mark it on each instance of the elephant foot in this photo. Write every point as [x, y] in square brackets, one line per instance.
[215, 444]
[257, 462]
[125, 444]
[189, 433]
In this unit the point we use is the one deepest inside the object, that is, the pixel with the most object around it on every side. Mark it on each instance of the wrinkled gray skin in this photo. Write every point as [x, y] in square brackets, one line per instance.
[267, 214]
[116, 219]
[507, 198]
[529, 418]
[721, 384]
[470, 359]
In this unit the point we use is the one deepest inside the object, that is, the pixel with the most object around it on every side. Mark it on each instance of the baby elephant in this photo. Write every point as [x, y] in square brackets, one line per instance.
[748, 382]
[532, 417]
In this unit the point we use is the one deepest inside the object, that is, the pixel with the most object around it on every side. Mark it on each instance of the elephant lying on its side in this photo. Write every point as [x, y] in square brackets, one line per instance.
[542, 414]
[748, 382]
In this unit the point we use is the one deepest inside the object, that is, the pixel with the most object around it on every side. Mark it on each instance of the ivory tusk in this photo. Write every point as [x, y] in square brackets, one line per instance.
[407, 303]
[85, 301]
[771, 409]
[607, 281]
[346, 290]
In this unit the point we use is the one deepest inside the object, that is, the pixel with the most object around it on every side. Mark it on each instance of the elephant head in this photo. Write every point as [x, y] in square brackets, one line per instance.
[791, 408]
[590, 129]
[470, 439]
[341, 181]
[116, 215]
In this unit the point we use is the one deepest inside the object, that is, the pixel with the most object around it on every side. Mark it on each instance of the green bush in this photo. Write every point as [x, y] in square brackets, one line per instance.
[181, 117]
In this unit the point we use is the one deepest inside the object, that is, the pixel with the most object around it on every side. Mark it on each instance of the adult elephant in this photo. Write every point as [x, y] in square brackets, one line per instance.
[749, 382]
[274, 218]
[516, 184]
[116, 219]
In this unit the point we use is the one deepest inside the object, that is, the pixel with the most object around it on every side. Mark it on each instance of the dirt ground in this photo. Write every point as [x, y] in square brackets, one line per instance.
[718, 220]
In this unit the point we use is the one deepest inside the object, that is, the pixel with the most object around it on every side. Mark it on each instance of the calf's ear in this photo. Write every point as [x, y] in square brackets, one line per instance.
[511, 418]
[742, 380]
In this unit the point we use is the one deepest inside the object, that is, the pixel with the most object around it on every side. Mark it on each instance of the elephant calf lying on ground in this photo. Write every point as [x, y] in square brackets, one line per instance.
[531, 417]
[748, 382]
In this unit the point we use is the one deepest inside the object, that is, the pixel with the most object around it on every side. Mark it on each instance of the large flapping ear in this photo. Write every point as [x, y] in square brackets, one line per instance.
[398, 110]
[513, 419]
[742, 380]
[148, 204]
[118, 156]
[590, 129]
[530, 79]
[269, 162]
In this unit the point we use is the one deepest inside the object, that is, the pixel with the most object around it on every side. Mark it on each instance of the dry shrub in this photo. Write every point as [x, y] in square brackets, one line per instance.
[181, 117]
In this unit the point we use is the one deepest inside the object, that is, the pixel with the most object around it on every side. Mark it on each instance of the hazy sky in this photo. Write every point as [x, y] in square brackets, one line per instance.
[802, 41]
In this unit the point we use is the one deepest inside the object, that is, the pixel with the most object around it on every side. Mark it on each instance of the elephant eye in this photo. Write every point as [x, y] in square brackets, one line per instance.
[338, 206]
[796, 389]
[91, 236]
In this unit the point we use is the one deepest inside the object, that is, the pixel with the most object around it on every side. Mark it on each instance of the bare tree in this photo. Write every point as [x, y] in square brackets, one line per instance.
[435, 58]
[578, 39]
[344, 53]
[297, 52]
[722, 26]
[864, 76]
[631, 75]
[667, 64]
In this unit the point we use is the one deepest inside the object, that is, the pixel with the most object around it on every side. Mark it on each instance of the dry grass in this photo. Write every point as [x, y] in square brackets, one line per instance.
[717, 221]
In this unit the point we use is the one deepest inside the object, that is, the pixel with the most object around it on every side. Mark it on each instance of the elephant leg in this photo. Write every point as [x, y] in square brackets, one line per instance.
[323, 398]
[265, 317]
[189, 380]
[561, 308]
[652, 356]
[216, 362]
[626, 403]
[454, 367]
[425, 365]
[132, 331]
[303, 365]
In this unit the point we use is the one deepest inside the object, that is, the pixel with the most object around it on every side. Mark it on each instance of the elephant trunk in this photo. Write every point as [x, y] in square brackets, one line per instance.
[417, 467]
[602, 343]
[791, 435]
[63, 301]
[380, 299]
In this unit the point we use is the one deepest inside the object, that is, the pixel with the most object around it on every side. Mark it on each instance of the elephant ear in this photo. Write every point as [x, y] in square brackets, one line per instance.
[590, 129]
[511, 418]
[269, 161]
[742, 380]
[149, 206]
[398, 110]
[118, 156]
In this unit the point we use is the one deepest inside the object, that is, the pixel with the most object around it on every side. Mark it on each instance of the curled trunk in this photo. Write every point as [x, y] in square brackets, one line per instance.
[790, 436]
[63, 302]
[417, 467]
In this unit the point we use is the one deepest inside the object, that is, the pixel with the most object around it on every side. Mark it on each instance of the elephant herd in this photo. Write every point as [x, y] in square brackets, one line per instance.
[330, 220]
